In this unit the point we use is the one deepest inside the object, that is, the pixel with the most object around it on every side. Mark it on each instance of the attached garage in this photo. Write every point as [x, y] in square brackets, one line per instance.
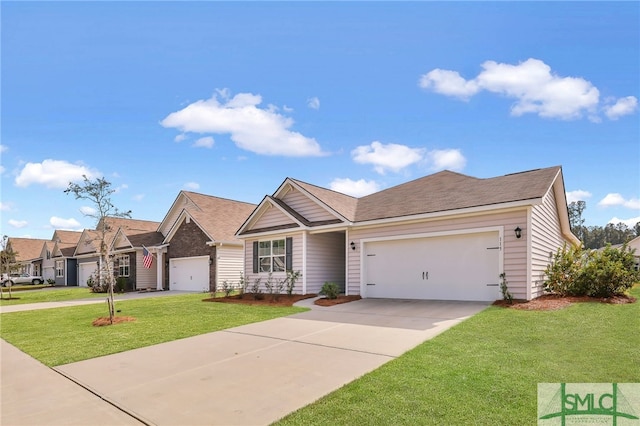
[85, 270]
[189, 273]
[463, 266]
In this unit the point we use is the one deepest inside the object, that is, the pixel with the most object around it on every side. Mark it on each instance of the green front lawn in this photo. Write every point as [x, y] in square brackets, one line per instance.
[63, 335]
[486, 369]
[46, 295]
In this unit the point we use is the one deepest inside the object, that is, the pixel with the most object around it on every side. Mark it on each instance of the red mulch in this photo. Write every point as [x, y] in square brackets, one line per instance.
[267, 300]
[553, 302]
[332, 302]
[116, 320]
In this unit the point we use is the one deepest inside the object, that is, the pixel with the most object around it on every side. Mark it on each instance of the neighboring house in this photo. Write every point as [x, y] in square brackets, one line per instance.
[54, 263]
[635, 245]
[87, 251]
[445, 236]
[128, 248]
[65, 264]
[200, 250]
[27, 252]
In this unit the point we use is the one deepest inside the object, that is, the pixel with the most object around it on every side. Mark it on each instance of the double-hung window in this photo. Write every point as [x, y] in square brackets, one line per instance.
[123, 265]
[59, 268]
[271, 255]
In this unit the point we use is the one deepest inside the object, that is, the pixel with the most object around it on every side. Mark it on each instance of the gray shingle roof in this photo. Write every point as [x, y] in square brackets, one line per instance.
[341, 203]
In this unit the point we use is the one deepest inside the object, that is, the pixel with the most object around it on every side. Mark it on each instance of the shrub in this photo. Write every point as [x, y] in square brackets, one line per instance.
[604, 273]
[242, 285]
[256, 290]
[292, 277]
[506, 295]
[121, 285]
[227, 288]
[51, 281]
[330, 290]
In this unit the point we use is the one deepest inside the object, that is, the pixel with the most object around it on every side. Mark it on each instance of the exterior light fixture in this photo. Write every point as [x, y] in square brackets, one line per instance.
[518, 232]
[353, 245]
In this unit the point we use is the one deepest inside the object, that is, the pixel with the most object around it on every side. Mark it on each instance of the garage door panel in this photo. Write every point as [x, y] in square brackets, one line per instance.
[189, 274]
[85, 271]
[460, 267]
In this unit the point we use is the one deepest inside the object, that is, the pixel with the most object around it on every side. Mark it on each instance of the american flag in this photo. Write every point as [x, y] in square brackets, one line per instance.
[147, 258]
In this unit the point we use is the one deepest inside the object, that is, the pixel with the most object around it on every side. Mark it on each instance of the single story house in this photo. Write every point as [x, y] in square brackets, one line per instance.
[132, 257]
[445, 236]
[54, 267]
[87, 251]
[200, 250]
[27, 254]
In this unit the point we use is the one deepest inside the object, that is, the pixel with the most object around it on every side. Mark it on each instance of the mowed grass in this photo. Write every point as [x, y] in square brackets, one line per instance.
[63, 335]
[485, 370]
[47, 295]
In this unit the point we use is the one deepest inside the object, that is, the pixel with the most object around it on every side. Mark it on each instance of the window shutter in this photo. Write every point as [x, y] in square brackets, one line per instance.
[289, 254]
[255, 257]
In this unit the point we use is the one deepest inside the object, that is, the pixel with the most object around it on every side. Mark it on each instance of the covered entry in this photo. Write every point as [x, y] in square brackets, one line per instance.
[462, 266]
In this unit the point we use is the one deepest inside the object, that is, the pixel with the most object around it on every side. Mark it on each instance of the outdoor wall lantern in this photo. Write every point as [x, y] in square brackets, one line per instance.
[210, 261]
[518, 232]
[353, 245]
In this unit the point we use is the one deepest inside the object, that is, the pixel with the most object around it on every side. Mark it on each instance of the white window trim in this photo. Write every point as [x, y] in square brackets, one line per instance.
[59, 271]
[120, 260]
[271, 256]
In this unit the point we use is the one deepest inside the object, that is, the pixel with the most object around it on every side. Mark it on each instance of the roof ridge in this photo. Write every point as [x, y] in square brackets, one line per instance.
[216, 197]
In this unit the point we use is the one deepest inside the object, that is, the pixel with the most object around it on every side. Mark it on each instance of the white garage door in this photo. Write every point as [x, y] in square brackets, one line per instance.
[455, 267]
[189, 274]
[85, 270]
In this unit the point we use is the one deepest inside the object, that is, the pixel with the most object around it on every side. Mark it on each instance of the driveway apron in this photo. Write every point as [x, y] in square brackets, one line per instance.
[258, 373]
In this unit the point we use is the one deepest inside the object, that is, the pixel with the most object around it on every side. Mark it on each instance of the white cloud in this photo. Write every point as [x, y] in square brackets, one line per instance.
[192, 185]
[66, 224]
[313, 103]
[18, 223]
[629, 222]
[180, 137]
[391, 156]
[623, 106]
[535, 88]
[138, 197]
[3, 148]
[2, 170]
[206, 142]
[5, 207]
[577, 195]
[53, 174]
[355, 188]
[87, 211]
[263, 131]
[449, 159]
[615, 199]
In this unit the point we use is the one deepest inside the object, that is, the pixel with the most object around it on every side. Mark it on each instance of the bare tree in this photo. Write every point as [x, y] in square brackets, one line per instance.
[98, 192]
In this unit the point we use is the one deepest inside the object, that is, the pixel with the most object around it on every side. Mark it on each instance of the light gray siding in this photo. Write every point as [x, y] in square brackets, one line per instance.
[325, 260]
[309, 209]
[145, 278]
[271, 217]
[298, 264]
[514, 250]
[172, 216]
[229, 264]
[546, 238]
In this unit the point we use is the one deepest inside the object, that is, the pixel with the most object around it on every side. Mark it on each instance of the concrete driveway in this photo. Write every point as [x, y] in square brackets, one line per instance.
[258, 373]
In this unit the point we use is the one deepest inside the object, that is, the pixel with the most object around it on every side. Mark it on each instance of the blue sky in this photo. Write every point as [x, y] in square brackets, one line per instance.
[229, 99]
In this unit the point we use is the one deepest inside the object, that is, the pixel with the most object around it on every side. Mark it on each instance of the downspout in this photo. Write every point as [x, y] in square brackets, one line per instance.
[304, 262]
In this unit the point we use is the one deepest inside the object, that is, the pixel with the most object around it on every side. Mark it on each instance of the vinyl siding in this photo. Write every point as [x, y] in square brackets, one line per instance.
[546, 238]
[514, 250]
[183, 203]
[145, 278]
[306, 207]
[229, 264]
[297, 261]
[272, 217]
[325, 260]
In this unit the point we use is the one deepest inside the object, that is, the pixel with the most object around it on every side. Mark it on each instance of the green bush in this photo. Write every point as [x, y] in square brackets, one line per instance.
[121, 285]
[330, 290]
[577, 272]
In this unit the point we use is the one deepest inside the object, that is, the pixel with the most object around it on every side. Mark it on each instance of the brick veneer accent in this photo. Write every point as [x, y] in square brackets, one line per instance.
[189, 241]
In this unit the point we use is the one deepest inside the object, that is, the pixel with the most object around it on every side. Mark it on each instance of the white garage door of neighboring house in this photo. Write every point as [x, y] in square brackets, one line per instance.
[189, 274]
[452, 267]
[85, 270]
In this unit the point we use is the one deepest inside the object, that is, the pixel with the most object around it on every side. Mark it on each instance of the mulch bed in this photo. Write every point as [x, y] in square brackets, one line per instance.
[332, 302]
[102, 321]
[267, 300]
[553, 302]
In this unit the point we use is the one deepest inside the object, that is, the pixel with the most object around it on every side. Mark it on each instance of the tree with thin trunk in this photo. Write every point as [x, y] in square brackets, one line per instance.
[98, 192]
[7, 262]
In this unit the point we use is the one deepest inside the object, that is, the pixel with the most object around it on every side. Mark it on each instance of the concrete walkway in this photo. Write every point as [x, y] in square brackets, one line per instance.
[258, 373]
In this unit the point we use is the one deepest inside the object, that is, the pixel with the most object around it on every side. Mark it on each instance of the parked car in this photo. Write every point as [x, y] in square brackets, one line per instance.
[14, 279]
